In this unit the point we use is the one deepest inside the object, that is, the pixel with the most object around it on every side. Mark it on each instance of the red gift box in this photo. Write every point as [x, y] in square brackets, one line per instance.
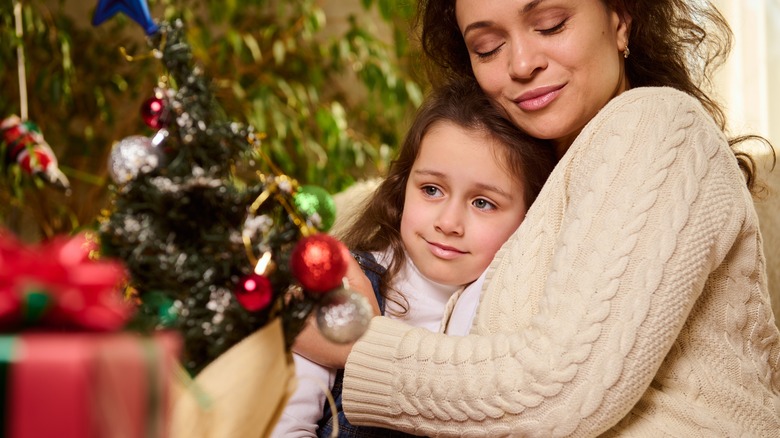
[87, 385]
[64, 369]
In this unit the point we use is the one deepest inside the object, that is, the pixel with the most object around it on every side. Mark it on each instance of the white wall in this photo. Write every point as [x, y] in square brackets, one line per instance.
[750, 85]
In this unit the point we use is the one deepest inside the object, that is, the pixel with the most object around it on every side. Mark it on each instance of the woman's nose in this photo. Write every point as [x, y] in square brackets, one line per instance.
[525, 60]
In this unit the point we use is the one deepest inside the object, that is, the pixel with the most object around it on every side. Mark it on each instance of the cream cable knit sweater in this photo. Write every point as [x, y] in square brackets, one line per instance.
[632, 301]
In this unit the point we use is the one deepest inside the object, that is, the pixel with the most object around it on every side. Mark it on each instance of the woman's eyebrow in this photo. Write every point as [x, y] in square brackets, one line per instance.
[476, 25]
[486, 23]
[531, 6]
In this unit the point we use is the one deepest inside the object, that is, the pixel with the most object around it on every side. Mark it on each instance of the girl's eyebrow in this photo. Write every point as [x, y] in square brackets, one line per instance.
[494, 189]
[481, 186]
[481, 24]
[429, 172]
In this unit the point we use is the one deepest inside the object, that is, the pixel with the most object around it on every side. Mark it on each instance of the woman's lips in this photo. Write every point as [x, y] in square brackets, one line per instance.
[539, 98]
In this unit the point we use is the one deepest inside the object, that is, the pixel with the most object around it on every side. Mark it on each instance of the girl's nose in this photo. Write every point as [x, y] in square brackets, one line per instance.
[449, 221]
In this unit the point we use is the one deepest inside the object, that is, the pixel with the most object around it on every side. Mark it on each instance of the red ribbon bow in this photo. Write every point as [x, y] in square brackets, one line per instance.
[56, 284]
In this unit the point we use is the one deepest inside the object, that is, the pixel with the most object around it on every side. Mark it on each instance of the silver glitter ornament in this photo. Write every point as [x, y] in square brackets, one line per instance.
[132, 156]
[343, 315]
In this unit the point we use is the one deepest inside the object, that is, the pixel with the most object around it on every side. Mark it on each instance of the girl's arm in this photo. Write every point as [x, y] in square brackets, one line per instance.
[305, 407]
[312, 345]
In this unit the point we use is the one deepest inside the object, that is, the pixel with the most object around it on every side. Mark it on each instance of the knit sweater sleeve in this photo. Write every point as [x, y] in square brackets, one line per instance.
[585, 300]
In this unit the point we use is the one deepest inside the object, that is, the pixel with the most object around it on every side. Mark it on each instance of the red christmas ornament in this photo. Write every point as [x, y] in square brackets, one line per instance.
[152, 112]
[36, 162]
[25, 145]
[319, 263]
[21, 138]
[254, 292]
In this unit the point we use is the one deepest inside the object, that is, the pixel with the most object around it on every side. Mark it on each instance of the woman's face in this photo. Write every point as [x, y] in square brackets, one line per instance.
[552, 64]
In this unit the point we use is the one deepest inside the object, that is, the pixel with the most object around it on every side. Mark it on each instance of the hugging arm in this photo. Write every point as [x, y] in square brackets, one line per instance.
[585, 300]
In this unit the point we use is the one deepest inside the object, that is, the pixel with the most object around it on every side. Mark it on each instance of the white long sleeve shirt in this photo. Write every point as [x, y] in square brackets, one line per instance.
[426, 306]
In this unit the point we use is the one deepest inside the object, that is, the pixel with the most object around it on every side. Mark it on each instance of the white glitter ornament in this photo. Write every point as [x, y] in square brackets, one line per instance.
[132, 156]
[343, 315]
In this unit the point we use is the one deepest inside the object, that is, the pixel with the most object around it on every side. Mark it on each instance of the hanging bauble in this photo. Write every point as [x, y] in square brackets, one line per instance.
[162, 306]
[153, 112]
[132, 156]
[254, 292]
[318, 262]
[25, 145]
[318, 206]
[16, 132]
[36, 161]
[343, 315]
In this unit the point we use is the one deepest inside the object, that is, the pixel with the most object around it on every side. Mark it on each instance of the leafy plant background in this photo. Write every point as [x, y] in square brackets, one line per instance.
[331, 85]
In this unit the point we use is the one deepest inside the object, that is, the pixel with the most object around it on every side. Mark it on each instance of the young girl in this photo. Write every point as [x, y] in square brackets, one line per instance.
[459, 188]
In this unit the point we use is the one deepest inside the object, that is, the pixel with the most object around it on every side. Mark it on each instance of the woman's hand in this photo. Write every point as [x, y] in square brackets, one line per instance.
[312, 345]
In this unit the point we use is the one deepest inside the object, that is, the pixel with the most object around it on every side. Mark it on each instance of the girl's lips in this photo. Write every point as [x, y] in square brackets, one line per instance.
[444, 252]
[539, 98]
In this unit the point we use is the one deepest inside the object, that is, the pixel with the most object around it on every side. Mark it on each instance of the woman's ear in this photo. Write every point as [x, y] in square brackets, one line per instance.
[623, 29]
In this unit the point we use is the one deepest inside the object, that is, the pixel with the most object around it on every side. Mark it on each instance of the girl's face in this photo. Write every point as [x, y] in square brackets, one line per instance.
[552, 64]
[461, 204]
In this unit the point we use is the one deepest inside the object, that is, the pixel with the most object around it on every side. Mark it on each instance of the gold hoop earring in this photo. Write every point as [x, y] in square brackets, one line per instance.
[626, 52]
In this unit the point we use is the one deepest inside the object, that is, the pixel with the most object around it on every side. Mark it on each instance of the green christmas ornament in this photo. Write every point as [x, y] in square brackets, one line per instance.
[163, 307]
[318, 206]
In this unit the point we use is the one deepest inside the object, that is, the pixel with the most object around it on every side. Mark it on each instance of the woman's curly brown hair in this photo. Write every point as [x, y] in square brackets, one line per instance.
[674, 43]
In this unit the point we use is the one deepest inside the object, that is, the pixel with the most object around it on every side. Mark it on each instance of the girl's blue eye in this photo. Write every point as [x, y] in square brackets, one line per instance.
[483, 204]
[430, 190]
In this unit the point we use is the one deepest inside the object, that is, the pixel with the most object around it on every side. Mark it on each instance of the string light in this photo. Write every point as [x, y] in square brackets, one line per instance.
[20, 60]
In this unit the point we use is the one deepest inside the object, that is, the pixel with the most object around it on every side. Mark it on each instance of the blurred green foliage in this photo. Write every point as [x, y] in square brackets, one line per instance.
[332, 96]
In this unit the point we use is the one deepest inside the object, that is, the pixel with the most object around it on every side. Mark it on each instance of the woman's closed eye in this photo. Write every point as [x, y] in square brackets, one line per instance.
[490, 53]
[553, 29]
[486, 54]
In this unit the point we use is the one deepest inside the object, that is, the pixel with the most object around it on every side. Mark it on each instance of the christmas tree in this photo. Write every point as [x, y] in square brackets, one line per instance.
[329, 83]
[213, 250]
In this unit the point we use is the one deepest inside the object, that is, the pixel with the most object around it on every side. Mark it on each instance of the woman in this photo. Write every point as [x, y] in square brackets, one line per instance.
[632, 301]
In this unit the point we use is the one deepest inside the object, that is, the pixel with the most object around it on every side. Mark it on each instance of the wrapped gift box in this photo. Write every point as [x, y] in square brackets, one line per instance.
[86, 384]
[66, 369]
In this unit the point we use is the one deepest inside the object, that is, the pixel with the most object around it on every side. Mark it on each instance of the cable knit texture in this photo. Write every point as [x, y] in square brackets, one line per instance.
[632, 301]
